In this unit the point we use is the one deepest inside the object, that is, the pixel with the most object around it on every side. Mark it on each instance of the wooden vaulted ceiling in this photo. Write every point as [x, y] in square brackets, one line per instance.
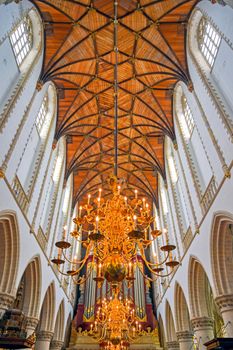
[79, 59]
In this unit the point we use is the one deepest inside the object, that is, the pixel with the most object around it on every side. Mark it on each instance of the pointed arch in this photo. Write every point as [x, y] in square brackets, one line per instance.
[67, 331]
[60, 323]
[31, 21]
[9, 254]
[162, 337]
[47, 313]
[181, 310]
[222, 252]
[193, 38]
[199, 287]
[31, 279]
[170, 325]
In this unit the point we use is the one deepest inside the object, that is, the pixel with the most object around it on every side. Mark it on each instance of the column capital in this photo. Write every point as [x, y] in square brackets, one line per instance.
[31, 322]
[172, 345]
[202, 323]
[225, 302]
[6, 300]
[44, 336]
[184, 335]
[56, 345]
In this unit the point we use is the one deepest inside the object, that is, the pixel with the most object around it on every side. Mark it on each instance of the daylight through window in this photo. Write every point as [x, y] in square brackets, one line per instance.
[21, 40]
[209, 41]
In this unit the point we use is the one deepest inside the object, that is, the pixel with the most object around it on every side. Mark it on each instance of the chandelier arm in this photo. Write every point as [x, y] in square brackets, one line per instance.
[72, 262]
[61, 272]
[150, 263]
[81, 266]
[155, 264]
[138, 265]
[73, 274]
[83, 279]
[78, 241]
[151, 279]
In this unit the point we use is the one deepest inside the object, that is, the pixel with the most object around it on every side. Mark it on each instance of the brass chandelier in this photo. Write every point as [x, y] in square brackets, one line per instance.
[115, 231]
[118, 231]
[115, 324]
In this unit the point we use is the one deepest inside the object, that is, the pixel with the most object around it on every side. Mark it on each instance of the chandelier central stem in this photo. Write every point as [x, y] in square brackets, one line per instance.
[116, 90]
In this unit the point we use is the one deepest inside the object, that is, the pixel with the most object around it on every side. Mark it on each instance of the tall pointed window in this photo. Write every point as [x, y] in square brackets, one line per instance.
[186, 119]
[21, 40]
[51, 191]
[178, 194]
[164, 201]
[42, 114]
[172, 169]
[188, 116]
[209, 41]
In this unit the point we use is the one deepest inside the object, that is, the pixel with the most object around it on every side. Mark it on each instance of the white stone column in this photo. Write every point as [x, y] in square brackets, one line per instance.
[56, 345]
[225, 304]
[172, 345]
[6, 301]
[185, 339]
[43, 339]
[203, 329]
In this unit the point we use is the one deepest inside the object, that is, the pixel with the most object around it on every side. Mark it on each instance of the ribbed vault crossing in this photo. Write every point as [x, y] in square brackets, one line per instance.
[80, 58]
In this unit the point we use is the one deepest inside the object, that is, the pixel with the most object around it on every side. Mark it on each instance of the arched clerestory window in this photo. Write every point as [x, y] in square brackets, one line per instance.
[196, 155]
[166, 221]
[175, 189]
[22, 40]
[21, 54]
[204, 41]
[208, 44]
[208, 40]
[51, 190]
[41, 116]
[186, 119]
[35, 146]
[64, 223]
